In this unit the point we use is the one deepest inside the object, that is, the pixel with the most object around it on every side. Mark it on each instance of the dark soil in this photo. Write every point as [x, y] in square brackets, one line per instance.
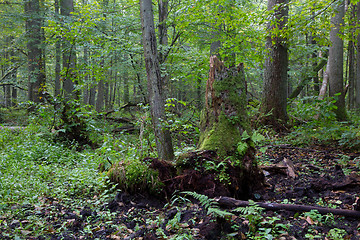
[324, 177]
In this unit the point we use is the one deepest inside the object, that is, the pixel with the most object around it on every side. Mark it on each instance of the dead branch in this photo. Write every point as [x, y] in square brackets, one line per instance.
[232, 202]
[127, 105]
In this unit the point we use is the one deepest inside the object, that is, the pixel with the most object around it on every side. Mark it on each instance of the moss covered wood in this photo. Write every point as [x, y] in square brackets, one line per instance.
[225, 128]
[224, 118]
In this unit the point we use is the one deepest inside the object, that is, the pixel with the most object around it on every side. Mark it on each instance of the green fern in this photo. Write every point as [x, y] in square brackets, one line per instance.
[209, 204]
[253, 214]
[253, 209]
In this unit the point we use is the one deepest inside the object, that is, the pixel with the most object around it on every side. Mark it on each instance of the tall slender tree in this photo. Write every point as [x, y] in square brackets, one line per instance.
[36, 64]
[357, 81]
[57, 56]
[69, 55]
[336, 61]
[162, 134]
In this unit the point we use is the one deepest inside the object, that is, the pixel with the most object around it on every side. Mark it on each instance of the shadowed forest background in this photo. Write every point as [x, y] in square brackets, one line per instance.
[179, 119]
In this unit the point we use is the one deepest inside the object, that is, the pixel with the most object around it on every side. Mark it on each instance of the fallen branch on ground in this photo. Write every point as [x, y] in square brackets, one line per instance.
[232, 202]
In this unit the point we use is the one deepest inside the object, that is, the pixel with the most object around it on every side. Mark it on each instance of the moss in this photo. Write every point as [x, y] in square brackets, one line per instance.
[222, 137]
[222, 130]
[134, 177]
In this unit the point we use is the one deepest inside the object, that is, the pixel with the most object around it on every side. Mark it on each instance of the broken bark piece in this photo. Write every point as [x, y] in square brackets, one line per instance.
[289, 168]
[285, 167]
[232, 202]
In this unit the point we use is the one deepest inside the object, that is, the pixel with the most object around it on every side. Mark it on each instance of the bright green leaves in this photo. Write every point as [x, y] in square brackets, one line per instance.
[248, 141]
[80, 28]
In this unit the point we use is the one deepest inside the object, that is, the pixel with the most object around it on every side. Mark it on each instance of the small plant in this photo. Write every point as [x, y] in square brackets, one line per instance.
[336, 234]
[253, 213]
[209, 204]
[318, 218]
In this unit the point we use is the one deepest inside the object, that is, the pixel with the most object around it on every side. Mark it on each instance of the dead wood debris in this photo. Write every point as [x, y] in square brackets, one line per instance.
[232, 202]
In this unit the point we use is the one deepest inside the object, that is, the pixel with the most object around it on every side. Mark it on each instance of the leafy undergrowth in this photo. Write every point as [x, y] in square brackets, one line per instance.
[48, 191]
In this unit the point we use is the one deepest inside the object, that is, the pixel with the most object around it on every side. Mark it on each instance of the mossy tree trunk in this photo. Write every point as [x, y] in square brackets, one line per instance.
[224, 118]
[224, 121]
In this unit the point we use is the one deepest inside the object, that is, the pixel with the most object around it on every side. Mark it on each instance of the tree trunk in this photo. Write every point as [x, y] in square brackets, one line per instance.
[7, 94]
[224, 119]
[336, 61]
[163, 32]
[125, 78]
[352, 74]
[163, 44]
[325, 83]
[14, 96]
[92, 94]
[162, 134]
[36, 66]
[69, 56]
[224, 124]
[100, 97]
[276, 66]
[57, 57]
[357, 80]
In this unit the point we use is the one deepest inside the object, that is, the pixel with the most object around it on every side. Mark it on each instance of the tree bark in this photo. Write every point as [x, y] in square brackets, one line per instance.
[100, 96]
[224, 118]
[163, 30]
[357, 80]
[57, 89]
[325, 83]
[7, 93]
[86, 93]
[36, 66]
[126, 96]
[336, 61]
[69, 56]
[352, 74]
[162, 134]
[224, 122]
[92, 94]
[14, 95]
[276, 67]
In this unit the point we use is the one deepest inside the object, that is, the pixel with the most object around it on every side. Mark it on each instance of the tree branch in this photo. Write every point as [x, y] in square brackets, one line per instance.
[232, 202]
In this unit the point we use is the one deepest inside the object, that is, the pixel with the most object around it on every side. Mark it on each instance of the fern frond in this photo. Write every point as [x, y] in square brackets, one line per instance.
[209, 204]
[253, 208]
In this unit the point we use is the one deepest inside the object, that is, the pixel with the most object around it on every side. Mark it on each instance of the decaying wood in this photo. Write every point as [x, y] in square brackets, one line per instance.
[285, 167]
[232, 202]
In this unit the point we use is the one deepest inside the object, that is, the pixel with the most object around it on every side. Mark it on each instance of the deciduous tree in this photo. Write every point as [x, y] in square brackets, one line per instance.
[276, 65]
[336, 61]
[162, 134]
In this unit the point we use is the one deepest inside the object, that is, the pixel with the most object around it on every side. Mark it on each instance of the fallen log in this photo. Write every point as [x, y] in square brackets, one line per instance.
[232, 202]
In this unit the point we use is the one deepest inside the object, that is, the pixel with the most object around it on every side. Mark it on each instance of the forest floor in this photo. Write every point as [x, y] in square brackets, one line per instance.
[321, 176]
